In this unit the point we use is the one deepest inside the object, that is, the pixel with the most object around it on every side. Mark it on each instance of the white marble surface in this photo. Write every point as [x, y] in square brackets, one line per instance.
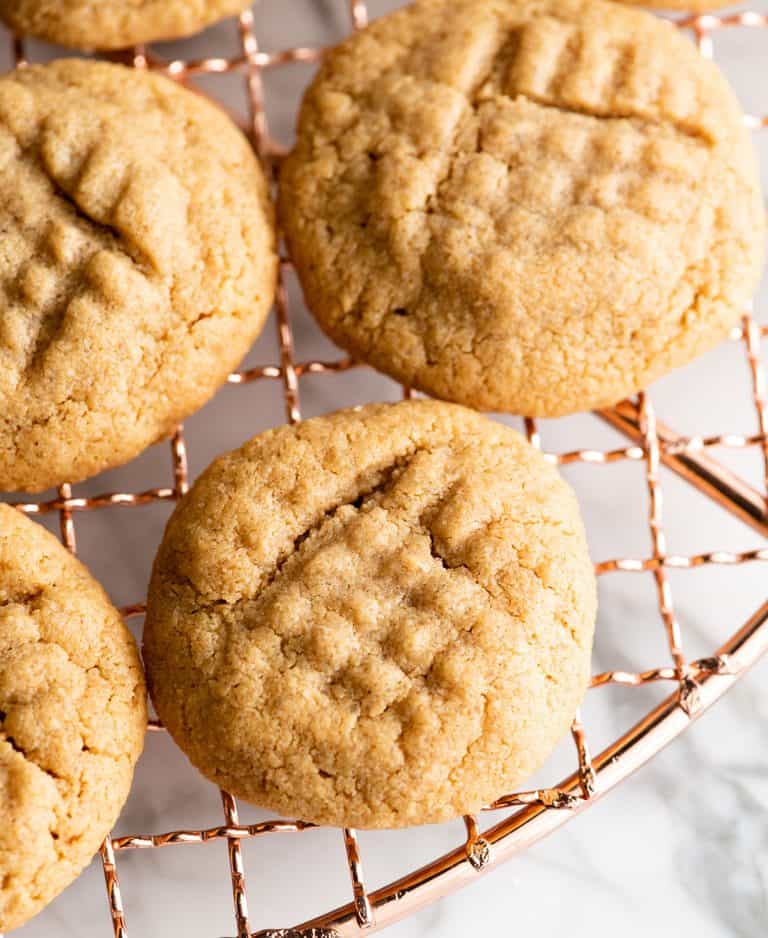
[680, 848]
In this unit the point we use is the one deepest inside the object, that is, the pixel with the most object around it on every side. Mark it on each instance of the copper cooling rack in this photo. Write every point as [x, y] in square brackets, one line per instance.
[695, 684]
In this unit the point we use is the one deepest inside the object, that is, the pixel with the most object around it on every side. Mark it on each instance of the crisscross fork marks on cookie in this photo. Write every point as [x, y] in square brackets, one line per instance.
[559, 801]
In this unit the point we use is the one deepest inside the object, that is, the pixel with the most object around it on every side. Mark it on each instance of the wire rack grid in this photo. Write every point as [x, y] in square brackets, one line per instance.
[696, 684]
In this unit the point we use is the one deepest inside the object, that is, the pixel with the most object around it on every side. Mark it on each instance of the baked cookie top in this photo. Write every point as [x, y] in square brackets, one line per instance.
[377, 618]
[538, 209]
[113, 24]
[138, 264]
[72, 717]
[693, 6]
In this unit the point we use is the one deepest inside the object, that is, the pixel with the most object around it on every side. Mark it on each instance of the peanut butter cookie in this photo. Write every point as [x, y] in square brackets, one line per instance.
[138, 264]
[533, 206]
[692, 6]
[377, 618]
[113, 24]
[72, 717]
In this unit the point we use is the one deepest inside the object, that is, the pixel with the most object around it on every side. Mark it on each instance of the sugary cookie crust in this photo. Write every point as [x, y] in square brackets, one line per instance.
[138, 264]
[377, 618]
[72, 717]
[114, 24]
[534, 206]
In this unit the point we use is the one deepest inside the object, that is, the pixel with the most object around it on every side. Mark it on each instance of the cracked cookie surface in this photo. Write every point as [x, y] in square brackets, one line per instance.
[531, 206]
[138, 264]
[377, 618]
[692, 6]
[113, 24]
[72, 717]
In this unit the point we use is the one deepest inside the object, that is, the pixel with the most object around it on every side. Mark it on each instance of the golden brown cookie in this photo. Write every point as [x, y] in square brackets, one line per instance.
[113, 24]
[537, 210]
[72, 717]
[377, 618]
[138, 264]
[683, 6]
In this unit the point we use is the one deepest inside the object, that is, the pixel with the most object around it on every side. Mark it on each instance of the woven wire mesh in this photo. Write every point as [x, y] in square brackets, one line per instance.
[696, 684]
